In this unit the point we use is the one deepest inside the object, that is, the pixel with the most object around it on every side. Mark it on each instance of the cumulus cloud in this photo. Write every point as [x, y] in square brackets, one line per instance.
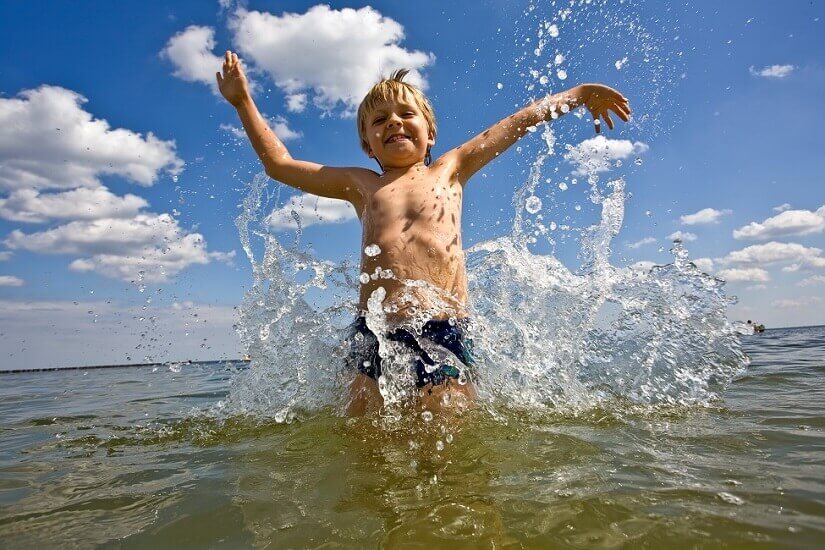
[599, 154]
[5, 255]
[782, 207]
[190, 51]
[10, 280]
[641, 243]
[814, 280]
[644, 266]
[334, 55]
[296, 103]
[802, 302]
[772, 71]
[787, 222]
[683, 236]
[310, 210]
[47, 140]
[278, 124]
[795, 254]
[705, 264]
[121, 248]
[30, 205]
[737, 275]
[704, 216]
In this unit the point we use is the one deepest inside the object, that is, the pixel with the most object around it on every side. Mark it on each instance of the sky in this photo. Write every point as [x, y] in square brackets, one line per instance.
[122, 169]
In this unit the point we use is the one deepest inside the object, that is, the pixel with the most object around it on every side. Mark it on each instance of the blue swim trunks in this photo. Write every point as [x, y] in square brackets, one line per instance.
[364, 357]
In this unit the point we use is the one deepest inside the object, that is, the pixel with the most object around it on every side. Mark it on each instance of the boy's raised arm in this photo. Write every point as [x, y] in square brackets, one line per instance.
[325, 181]
[478, 151]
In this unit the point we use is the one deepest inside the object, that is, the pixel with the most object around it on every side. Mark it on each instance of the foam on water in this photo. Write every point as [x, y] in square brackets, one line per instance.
[546, 338]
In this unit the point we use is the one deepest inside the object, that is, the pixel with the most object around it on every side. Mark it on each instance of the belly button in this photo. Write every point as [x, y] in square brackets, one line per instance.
[431, 251]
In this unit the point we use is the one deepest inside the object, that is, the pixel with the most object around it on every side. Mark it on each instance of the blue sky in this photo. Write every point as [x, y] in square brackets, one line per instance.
[145, 172]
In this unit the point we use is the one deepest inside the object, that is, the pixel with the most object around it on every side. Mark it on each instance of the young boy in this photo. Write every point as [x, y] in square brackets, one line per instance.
[411, 216]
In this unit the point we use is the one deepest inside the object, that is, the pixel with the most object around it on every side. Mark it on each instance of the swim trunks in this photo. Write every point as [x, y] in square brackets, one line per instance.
[438, 336]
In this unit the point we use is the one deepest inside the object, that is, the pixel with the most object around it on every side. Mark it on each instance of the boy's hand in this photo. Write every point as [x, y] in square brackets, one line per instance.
[599, 100]
[232, 83]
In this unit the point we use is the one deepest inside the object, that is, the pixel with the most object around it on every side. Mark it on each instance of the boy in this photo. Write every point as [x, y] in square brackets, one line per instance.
[411, 217]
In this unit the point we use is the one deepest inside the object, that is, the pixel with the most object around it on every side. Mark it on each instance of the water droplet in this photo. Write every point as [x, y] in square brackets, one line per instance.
[620, 63]
[559, 59]
[499, 85]
[372, 250]
[553, 31]
[427, 416]
[562, 74]
[563, 186]
[533, 204]
[364, 278]
[439, 445]
[449, 438]
[638, 161]
[543, 80]
[564, 107]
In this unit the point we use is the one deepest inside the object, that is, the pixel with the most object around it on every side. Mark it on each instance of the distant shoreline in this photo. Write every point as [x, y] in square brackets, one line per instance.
[124, 366]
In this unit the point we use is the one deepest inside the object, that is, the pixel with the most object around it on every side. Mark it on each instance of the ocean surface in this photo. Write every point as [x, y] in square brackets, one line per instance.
[134, 457]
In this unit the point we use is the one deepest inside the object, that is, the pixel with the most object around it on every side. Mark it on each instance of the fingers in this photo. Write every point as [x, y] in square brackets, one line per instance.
[621, 112]
[609, 120]
[220, 79]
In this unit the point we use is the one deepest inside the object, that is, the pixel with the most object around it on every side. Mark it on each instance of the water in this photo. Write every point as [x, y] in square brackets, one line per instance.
[117, 457]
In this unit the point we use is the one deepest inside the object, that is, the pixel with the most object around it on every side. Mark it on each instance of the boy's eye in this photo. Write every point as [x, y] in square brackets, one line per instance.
[378, 120]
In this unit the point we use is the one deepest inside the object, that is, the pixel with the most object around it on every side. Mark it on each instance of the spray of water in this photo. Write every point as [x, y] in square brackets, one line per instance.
[546, 338]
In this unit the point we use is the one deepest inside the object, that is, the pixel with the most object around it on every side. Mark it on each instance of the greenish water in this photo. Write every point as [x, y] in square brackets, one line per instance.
[127, 458]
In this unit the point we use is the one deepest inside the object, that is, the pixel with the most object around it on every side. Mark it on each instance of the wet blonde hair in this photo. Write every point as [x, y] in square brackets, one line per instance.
[389, 89]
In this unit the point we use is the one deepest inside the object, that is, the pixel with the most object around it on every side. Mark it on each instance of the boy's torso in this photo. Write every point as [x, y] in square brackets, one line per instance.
[415, 221]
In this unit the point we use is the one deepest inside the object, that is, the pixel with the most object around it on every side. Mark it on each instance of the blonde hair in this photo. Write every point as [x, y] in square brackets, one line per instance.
[389, 89]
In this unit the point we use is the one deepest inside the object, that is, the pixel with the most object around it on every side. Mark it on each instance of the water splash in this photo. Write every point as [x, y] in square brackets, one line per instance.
[547, 338]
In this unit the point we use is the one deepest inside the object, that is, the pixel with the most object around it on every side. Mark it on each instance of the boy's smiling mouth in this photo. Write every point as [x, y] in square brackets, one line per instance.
[396, 137]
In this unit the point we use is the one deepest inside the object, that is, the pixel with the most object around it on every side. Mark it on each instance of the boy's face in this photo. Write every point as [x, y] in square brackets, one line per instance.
[397, 133]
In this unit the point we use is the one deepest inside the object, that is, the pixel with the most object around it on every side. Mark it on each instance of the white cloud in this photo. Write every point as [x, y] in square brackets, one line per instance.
[775, 252]
[805, 301]
[311, 210]
[282, 130]
[683, 236]
[29, 205]
[744, 274]
[296, 103]
[599, 154]
[336, 55]
[10, 280]
[757, 287]
[48, 141]
[772, 71]
[5, 255]
[788, 222]
[643, 266]
[705, 264]
[813, 280]
[704, 216]
[191, 52]
[641, 243]
[782, 207]
[278, 124]
[121, 248]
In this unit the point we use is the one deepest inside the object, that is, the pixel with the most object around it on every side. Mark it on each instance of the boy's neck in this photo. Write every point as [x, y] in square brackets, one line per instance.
[401, 170]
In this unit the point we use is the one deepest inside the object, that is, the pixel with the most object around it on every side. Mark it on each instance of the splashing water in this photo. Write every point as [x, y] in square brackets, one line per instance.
[546, 338]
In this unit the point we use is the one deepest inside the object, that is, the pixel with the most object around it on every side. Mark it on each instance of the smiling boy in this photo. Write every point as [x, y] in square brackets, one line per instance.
[410, 212]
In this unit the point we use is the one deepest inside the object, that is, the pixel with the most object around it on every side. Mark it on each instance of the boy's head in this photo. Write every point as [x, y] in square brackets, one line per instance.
[389, 90]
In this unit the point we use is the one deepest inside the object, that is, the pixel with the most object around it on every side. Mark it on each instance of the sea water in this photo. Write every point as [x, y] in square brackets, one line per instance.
[126, 457]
